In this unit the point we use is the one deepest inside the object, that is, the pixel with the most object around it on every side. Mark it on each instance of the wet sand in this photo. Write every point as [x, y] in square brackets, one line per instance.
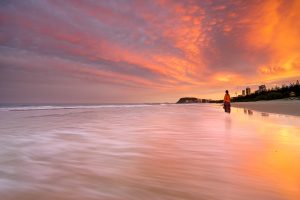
[134, 152]
[286, 107]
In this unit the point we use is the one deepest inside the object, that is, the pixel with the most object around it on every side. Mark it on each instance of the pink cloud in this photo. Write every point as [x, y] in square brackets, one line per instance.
[161, 45]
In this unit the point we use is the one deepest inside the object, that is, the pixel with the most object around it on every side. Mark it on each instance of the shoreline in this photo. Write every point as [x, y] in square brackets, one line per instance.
[285, 107]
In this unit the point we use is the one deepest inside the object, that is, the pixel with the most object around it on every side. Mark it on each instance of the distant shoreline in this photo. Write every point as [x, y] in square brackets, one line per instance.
[281, 106]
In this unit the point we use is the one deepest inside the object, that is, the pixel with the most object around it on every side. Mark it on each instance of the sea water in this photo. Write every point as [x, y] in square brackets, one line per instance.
[147, 152]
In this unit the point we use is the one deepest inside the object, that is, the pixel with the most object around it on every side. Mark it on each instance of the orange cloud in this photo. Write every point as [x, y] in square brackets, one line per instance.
[184, 46]
[275, 27]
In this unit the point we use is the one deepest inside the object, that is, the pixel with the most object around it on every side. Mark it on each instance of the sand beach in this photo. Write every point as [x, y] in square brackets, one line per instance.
[282, 106]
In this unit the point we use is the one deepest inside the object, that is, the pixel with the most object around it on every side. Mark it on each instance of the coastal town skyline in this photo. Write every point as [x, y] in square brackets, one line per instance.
[144, 51]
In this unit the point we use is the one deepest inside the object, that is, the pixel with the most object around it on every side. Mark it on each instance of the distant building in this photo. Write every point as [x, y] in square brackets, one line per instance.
[297, 82]
[248, 91]
[243, 93]
[262, 88]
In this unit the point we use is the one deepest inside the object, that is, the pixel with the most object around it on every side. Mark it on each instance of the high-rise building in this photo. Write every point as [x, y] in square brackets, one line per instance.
[243, 93]
[248, 91]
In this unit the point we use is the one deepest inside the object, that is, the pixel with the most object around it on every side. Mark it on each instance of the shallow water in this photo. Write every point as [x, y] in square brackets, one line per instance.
[148, 152]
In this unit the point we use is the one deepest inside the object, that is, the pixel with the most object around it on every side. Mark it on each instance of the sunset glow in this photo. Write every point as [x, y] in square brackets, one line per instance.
[144, 51]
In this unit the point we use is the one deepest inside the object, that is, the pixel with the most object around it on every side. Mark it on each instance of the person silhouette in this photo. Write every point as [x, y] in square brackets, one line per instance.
[226, 104]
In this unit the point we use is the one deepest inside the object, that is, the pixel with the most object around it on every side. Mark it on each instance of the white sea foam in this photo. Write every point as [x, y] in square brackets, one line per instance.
[46, 107]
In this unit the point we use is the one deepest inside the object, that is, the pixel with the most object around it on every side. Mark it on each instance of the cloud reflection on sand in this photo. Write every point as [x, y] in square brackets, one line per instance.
[150, 152]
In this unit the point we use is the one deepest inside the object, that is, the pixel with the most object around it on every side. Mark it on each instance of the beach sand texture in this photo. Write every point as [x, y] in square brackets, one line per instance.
[286, 107]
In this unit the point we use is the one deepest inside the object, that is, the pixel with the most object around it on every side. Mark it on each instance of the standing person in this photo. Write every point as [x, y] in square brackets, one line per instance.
[227, 102]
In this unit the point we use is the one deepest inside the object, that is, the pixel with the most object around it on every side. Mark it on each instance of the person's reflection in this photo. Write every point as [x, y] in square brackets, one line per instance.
[228, 123]
[265, 114]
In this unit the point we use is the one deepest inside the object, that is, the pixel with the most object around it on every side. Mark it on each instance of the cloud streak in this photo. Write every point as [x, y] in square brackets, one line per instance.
[149, 47]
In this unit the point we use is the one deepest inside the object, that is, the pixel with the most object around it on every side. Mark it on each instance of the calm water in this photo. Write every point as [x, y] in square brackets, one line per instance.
[148, 152]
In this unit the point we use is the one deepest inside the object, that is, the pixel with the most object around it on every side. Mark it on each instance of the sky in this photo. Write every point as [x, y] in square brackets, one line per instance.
[133, 51]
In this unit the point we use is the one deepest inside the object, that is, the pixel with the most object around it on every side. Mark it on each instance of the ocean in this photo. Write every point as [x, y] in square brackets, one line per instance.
[151, 152]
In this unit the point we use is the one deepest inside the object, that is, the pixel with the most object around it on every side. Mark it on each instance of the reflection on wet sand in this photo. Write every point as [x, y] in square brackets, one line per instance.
[248, 112]
[275, 160]
[264, 114]
[157, 152]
